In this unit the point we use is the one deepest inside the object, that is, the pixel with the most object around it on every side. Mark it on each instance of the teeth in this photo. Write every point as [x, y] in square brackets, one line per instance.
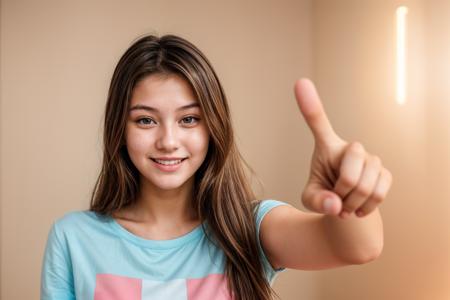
[168, 162]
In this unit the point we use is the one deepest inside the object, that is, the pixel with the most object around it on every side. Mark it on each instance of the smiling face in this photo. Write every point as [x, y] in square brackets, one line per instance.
[166, 121]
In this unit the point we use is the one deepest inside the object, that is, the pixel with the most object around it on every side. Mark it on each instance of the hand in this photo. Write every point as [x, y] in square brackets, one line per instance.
[344, 178]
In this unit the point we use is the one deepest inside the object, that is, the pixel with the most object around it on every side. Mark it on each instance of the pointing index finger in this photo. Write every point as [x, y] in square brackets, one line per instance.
[312, 109]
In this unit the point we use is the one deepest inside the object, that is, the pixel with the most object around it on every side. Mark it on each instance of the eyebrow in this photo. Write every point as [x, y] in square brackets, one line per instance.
[153, 109]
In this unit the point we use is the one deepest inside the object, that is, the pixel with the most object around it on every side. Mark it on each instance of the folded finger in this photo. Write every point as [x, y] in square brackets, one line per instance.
[378, 195]
[350, 170]
[366, 185]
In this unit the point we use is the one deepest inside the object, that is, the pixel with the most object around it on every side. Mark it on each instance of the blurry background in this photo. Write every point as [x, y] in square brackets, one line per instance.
[57, 58]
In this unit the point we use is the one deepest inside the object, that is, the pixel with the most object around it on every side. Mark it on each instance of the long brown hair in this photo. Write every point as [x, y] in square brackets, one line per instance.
[223, 196]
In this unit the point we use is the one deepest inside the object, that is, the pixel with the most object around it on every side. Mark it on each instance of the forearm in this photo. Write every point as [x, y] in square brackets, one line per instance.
[355, 240]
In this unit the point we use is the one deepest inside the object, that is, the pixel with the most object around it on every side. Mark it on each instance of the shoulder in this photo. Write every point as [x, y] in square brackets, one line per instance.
[262, 207]
[73, 217]
[269, 203]
[74, 221]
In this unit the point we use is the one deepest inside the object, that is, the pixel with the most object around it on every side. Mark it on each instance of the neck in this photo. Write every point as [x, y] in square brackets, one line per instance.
[166, 207]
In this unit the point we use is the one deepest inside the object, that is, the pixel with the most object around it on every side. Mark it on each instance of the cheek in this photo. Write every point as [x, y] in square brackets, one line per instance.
[136, 142]
[199, 141]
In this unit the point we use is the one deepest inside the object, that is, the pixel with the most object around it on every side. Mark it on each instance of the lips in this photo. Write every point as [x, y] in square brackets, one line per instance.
[168, 168]
[154, 159]
[168, 158]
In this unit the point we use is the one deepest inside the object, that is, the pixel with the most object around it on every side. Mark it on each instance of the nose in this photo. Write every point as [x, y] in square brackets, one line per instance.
[167, 139]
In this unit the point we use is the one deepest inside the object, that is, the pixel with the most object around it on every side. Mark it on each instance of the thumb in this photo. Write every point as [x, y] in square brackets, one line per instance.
[320, 200]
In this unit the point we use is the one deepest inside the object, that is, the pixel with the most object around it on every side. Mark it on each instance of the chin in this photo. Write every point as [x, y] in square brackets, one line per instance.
[167, 187]
[167, 184]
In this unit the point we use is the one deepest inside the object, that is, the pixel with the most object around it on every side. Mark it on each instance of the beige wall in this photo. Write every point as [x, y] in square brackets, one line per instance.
[57, 59]
[354, 66]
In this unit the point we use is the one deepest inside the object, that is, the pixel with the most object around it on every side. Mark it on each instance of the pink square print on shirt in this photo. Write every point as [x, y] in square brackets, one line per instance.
[213, 286]
[115, 287]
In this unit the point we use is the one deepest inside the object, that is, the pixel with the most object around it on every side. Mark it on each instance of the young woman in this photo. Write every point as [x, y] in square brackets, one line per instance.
[172, 214]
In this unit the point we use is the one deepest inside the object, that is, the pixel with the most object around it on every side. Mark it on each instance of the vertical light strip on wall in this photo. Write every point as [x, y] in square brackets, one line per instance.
[401, 13]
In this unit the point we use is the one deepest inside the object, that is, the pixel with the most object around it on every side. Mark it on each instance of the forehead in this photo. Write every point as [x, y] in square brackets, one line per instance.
[163, 92]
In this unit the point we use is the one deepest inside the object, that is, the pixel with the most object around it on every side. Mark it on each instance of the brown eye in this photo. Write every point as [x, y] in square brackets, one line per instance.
[191, 118]
[146, 119]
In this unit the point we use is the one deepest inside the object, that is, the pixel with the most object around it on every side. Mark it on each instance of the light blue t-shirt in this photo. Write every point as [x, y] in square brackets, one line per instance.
[90, 256]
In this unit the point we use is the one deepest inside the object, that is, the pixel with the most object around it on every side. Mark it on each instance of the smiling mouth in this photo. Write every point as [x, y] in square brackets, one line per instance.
[171, 164]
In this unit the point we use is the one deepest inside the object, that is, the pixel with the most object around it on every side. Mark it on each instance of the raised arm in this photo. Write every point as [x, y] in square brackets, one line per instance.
[345, 187]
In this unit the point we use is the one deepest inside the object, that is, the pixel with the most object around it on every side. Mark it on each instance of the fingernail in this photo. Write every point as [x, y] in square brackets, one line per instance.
[328, 205]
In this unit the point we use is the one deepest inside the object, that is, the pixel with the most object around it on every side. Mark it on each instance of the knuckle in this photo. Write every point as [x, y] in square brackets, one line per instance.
[357, 147]
[348, 181]
[377, 198]
[376, 160]
[364, 191]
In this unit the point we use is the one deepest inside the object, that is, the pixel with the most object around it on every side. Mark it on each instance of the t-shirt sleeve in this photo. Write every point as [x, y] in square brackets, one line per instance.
[56, 272]
[264, 207]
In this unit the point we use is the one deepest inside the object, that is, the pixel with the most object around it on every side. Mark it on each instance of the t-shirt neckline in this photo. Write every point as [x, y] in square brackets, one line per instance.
[192, 235]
